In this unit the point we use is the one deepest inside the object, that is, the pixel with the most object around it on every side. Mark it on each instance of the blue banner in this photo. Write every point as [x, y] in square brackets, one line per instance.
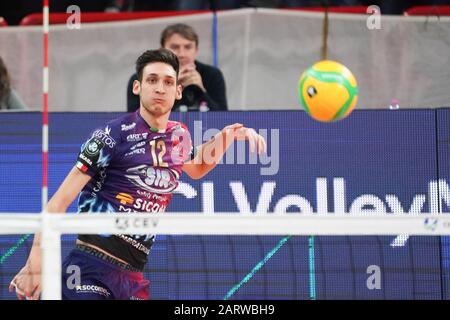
[375, 160]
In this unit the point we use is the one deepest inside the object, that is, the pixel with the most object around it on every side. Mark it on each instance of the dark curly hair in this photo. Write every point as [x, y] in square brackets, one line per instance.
[160, 55]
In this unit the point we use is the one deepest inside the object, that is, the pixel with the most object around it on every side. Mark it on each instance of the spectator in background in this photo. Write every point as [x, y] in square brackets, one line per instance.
[203, 85]
[9, 99]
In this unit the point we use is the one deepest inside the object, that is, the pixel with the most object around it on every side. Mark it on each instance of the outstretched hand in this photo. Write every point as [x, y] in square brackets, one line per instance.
[26, 284]
[238, 132]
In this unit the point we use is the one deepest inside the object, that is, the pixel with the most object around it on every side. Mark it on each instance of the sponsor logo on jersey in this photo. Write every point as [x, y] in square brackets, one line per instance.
[134, 137]
[86, 159]
[148, 206]
[93, 147]
[90, 153]
[87, 288]
[156, 137]
[138, 145]
[125, 198]
[158, 180]
[126, 127]
[142, 205]
[150, 195]
[134, 152]
[100, 181]
[105, 137]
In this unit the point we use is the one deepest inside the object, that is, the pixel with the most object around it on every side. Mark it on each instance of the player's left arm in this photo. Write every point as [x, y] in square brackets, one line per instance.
[211, 152]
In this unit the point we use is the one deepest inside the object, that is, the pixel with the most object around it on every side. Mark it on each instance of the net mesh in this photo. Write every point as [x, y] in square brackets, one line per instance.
[276, 267]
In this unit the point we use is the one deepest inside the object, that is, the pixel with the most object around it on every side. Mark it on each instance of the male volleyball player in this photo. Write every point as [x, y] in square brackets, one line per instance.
[132, 164]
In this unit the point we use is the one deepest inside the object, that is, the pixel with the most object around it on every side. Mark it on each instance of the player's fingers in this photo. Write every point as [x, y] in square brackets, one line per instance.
[255, 138]
[263, 144]
[12, 284]
[252, 142]
[258, 143]
[235, 126]
[233, 130]
[19, 293]
[252, 145]
[36, 293]
[260, 146]
[28, 292]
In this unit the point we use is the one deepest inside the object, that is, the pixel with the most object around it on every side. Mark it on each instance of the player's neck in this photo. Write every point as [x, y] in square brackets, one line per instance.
[155, 122]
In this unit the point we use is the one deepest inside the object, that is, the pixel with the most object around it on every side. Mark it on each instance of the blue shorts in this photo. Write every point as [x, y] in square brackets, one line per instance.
[89, 277]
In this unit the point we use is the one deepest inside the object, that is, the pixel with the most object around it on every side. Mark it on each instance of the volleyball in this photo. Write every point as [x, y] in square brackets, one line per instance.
[328, 91]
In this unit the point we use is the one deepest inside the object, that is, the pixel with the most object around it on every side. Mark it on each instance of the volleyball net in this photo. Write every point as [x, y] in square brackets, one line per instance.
[247, 256]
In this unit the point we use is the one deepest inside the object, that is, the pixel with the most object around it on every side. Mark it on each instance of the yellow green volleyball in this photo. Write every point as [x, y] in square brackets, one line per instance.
[328, 91]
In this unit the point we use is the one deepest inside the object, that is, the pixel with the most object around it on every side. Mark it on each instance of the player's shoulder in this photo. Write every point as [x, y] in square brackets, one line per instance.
[115, 128]
[176, 125]
[123, 123]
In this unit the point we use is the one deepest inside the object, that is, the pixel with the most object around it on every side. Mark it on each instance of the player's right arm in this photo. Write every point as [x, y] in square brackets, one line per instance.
[68, 191]
[28, 281]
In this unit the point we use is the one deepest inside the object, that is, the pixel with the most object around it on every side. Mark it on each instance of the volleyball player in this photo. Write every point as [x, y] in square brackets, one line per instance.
[132, 164]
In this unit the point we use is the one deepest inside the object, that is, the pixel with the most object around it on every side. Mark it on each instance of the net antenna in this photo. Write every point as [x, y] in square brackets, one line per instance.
[51, 241]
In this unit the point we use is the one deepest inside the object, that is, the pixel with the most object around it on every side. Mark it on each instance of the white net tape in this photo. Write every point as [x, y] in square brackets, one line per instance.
[52, 226]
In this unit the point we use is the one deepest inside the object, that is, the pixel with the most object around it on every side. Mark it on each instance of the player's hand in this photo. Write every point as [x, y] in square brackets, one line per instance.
[190, 76]
[238, 132]
[27, 284]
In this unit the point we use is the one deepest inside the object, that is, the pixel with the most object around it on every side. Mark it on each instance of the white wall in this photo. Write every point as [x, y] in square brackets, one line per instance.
[262, 53]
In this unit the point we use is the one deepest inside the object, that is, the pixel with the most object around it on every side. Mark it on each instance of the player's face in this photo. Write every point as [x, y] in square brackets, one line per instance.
[186, 50]
[158, 88]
